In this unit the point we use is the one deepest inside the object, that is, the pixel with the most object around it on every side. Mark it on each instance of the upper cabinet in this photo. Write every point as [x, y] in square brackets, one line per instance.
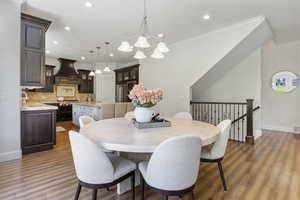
[86, 82]
[49, 80]
[126, 78]
[33, 32]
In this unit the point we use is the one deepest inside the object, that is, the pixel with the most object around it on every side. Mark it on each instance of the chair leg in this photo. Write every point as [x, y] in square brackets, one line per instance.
[142, 182]
[133, 186]
[77, 192]
[191, 196]
[222, 175]
[95, 194]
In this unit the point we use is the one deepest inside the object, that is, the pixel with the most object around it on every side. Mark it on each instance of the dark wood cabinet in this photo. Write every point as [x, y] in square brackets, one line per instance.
[126, 78]
[38, 130]
[49, 80]
[33, 32]
[86, 82]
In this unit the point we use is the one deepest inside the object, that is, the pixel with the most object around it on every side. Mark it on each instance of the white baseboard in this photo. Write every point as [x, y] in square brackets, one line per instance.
[279, 128]
[12, 155]
[257, 133]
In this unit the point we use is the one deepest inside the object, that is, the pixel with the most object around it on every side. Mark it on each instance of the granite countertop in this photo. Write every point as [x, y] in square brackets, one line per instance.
[37, 106]
[93, 103]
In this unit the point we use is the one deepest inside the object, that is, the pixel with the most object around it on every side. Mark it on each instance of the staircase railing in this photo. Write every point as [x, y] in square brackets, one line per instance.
[240, 113]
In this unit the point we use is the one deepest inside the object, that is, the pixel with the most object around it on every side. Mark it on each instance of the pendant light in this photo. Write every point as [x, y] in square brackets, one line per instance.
[92, 73]
[98, 71]
[107, 69]
[143, 41]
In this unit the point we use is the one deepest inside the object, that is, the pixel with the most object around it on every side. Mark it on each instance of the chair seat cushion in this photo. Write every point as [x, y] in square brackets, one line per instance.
[121, 165]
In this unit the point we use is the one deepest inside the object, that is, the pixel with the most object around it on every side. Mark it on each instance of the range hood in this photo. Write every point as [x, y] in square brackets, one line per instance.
[67, 73]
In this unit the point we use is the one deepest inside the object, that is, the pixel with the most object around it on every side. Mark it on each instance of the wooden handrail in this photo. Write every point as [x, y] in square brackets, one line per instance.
[245, 115]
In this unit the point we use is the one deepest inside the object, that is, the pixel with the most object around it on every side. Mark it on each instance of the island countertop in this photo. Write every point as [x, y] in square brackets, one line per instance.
[37, 106]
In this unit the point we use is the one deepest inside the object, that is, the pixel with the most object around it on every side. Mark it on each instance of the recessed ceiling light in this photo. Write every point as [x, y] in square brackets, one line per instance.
[88, 4]
[55, 42]
[67, 28]
[48, 52]
[111, 55]
[206, 17]
[82, 58]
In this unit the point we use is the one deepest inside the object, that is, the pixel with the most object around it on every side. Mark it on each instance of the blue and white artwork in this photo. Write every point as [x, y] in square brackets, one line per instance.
[284, 82]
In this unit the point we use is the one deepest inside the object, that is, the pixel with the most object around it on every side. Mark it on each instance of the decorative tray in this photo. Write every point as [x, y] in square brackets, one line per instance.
[153, 124]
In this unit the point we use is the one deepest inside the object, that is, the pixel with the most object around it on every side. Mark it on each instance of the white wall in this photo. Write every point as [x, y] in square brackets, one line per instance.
[280, 111]
[10, 80]
[243, 81]
[189, 60]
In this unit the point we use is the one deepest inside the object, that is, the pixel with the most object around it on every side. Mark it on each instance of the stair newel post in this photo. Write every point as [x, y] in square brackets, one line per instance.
[250, 136]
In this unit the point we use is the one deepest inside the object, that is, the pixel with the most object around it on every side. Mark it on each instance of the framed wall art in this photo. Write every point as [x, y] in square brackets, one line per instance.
[284, 81]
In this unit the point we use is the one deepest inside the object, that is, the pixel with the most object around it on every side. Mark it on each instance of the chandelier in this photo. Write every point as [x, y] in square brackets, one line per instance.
[142, 44]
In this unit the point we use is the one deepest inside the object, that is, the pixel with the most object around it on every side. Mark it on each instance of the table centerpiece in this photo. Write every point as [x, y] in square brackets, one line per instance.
[143, 99]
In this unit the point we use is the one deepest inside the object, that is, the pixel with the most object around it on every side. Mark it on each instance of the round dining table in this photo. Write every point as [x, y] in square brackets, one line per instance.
[120, 135]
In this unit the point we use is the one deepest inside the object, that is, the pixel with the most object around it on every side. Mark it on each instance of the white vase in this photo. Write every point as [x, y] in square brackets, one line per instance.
[143, 114]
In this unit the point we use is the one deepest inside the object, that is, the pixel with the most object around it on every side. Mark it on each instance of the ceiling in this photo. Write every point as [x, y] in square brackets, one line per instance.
[117, 20]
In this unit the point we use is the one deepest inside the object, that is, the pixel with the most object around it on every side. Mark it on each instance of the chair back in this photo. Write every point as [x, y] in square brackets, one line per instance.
[183, 115]
[129, 115]
[85, 120]
[91, 163]
[219, 148]
[174, 165]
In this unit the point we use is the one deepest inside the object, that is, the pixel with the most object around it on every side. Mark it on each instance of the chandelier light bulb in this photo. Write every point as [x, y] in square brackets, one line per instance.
[125, 47]
[139, 55]
[142, 42]
[162, 47]
[157, 54]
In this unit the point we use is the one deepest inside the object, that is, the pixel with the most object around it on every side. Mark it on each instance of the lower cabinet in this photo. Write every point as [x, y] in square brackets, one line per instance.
[38, 130]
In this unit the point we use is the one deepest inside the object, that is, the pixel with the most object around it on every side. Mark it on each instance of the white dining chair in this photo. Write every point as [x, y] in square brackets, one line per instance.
[183, 115]
[85, 120]
[94, 169]
[217, 152]
[129, 115]
[173, 167]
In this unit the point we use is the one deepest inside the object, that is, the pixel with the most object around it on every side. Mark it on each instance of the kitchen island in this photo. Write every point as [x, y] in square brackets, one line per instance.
[100, 110]
[38, 127]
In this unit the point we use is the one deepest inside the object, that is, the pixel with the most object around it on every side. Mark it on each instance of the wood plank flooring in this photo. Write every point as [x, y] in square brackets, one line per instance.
[270, 170]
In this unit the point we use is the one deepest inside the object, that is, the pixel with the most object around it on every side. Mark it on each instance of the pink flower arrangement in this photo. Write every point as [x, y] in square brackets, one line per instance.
[145, 98]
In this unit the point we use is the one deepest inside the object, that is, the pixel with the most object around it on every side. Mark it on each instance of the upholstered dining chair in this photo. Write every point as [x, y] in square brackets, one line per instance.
[95, 169]
[217, 152]
[129, 115]
[173, 167]
[183, 115]
[85, 120]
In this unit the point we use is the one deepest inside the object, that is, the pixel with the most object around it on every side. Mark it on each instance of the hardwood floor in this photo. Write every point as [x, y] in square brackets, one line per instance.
[268, 170]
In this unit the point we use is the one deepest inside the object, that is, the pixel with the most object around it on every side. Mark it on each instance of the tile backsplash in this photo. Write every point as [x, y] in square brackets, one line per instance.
[47, 96]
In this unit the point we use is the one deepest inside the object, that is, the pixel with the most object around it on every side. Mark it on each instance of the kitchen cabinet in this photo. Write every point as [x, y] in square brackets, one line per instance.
[86, 82]
[49, 80]
[33, 32]
[126, 78]
[38, 130]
